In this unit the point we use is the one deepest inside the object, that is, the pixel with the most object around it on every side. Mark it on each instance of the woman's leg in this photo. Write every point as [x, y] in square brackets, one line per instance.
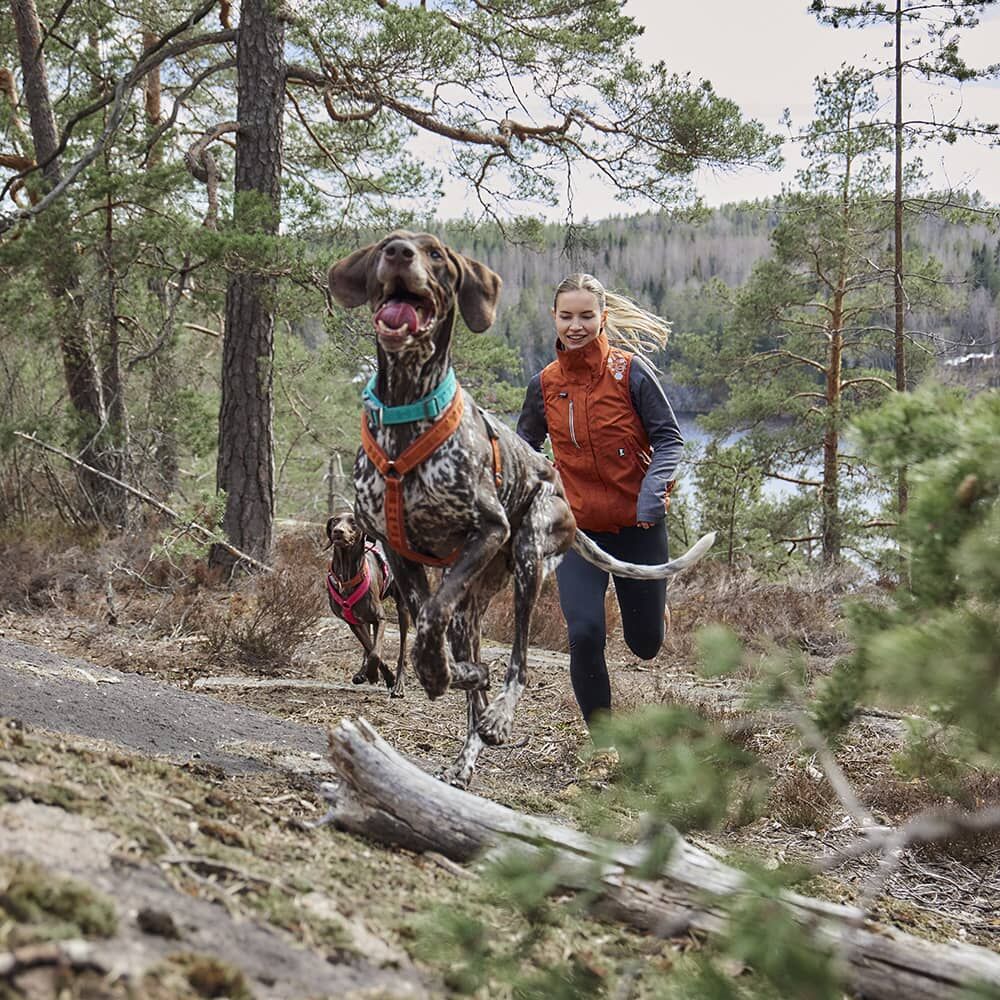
[642, 602]
[581, 596]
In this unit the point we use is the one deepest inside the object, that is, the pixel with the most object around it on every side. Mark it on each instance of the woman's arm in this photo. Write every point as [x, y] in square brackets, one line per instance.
[664, 434]
[531, 424]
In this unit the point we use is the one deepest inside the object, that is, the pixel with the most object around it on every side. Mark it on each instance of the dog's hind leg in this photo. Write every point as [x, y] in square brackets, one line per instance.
[376, 665]
[542, 536]
[464, 640]
[459, 772]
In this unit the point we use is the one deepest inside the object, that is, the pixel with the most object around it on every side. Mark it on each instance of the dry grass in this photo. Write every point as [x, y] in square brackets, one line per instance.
[800, 801]
[270, 614]
[900, 799]
[548, 626]
[801, 611]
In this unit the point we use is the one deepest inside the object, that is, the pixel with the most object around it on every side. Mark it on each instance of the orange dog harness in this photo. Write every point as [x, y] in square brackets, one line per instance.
[393, 470]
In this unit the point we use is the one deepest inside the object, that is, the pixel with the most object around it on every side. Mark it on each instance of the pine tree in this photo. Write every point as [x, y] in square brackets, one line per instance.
[807, 322]
[933, 54]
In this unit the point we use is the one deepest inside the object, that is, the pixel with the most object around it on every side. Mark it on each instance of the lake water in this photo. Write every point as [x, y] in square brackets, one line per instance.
[773, 489]
[696, 438]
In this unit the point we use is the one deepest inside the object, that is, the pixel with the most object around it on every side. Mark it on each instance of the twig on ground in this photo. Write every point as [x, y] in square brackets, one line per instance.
[852, 805]
[74, 954]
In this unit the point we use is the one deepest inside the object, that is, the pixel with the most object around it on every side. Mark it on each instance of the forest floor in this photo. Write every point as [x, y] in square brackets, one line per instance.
[154, 753]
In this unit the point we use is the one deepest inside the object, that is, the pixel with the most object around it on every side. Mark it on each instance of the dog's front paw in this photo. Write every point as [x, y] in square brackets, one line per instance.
[457, 774]
[398, 688]
[496, 724]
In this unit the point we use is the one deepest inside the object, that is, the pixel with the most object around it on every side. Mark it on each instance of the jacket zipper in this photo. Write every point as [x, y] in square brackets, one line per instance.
[572, 429]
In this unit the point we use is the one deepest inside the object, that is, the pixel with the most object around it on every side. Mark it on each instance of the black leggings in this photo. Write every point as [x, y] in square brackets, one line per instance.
[642, 603]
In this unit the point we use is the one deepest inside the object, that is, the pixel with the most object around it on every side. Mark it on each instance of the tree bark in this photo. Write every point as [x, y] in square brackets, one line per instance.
[80, 370]
[164, 377]
[245, 469]
[899, 300]
[384, 797]
[830, 494]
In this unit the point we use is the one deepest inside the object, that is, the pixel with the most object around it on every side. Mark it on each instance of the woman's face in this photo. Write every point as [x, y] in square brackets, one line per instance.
[578, 318]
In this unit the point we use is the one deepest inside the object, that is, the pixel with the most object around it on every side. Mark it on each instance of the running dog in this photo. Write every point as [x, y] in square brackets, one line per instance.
[357, 585]
[440, 482]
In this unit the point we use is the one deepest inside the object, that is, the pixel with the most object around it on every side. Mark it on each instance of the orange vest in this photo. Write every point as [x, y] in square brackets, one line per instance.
[600, 447]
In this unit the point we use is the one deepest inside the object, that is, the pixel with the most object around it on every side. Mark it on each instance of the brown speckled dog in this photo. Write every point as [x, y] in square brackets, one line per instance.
[482, 502]
[356, 586]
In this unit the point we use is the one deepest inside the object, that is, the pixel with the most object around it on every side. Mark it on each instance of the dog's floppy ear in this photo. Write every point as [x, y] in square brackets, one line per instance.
[329, 531]
[348, 278]
[478, 292]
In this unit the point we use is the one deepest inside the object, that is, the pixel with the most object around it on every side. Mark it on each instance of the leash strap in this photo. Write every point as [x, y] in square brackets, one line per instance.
[426, 408]
[491, 433]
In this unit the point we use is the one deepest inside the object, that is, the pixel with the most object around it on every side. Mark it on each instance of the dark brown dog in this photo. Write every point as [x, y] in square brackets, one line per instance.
[487, 520]
[356, 586]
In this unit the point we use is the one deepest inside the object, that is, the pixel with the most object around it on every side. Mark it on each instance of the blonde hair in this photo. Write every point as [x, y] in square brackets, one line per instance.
[627, 324]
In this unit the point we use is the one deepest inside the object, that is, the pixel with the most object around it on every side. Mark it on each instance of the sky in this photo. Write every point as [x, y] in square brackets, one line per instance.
[765, 55]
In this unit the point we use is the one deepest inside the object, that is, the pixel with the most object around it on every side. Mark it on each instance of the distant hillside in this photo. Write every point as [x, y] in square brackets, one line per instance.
[664, 263]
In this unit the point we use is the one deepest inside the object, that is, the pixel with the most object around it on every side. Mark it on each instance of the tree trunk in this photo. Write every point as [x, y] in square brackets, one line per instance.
[61, 273]
[245, 468]
[899, 339]
[830, 494]
[164, 377]
[384, 797]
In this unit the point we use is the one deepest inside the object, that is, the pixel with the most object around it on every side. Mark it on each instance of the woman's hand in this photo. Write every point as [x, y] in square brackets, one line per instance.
[644, 524]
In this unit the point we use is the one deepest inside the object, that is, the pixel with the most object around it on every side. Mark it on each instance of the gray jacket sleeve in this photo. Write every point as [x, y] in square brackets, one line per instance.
[664, 434]
[531, 424]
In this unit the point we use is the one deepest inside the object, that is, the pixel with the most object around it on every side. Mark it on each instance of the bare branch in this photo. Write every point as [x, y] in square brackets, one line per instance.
[206, 535]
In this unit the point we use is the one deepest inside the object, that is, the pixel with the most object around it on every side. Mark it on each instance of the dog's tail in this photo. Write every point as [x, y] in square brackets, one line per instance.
[596, 556]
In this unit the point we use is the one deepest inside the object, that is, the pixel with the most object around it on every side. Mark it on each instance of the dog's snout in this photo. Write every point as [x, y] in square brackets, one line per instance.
[400, 252]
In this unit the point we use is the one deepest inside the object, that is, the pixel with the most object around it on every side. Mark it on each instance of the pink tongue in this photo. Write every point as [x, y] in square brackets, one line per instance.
[396, 314]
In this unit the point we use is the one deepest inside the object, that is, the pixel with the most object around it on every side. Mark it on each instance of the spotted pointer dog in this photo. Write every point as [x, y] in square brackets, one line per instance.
[441, 482]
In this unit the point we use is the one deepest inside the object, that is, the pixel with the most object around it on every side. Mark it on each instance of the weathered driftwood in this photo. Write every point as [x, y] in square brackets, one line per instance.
[382, 796]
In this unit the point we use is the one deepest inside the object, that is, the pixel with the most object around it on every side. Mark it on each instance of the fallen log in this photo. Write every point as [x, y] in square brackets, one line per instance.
[384, 797]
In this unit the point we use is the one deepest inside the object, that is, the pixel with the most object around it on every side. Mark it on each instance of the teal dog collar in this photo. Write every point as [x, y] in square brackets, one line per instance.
[428, 408]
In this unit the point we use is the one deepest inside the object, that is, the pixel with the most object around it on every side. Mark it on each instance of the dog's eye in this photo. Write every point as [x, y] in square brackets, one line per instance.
[436, 255]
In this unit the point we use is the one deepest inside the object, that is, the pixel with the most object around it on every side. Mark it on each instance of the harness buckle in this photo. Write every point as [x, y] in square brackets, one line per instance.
[432, 408]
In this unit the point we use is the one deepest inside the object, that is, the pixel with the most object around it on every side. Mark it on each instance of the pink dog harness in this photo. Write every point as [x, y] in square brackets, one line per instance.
[345, 598]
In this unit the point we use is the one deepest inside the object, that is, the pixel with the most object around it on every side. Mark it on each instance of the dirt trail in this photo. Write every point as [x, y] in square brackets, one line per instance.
[69, 695]
[45, 690]
[73, 846]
